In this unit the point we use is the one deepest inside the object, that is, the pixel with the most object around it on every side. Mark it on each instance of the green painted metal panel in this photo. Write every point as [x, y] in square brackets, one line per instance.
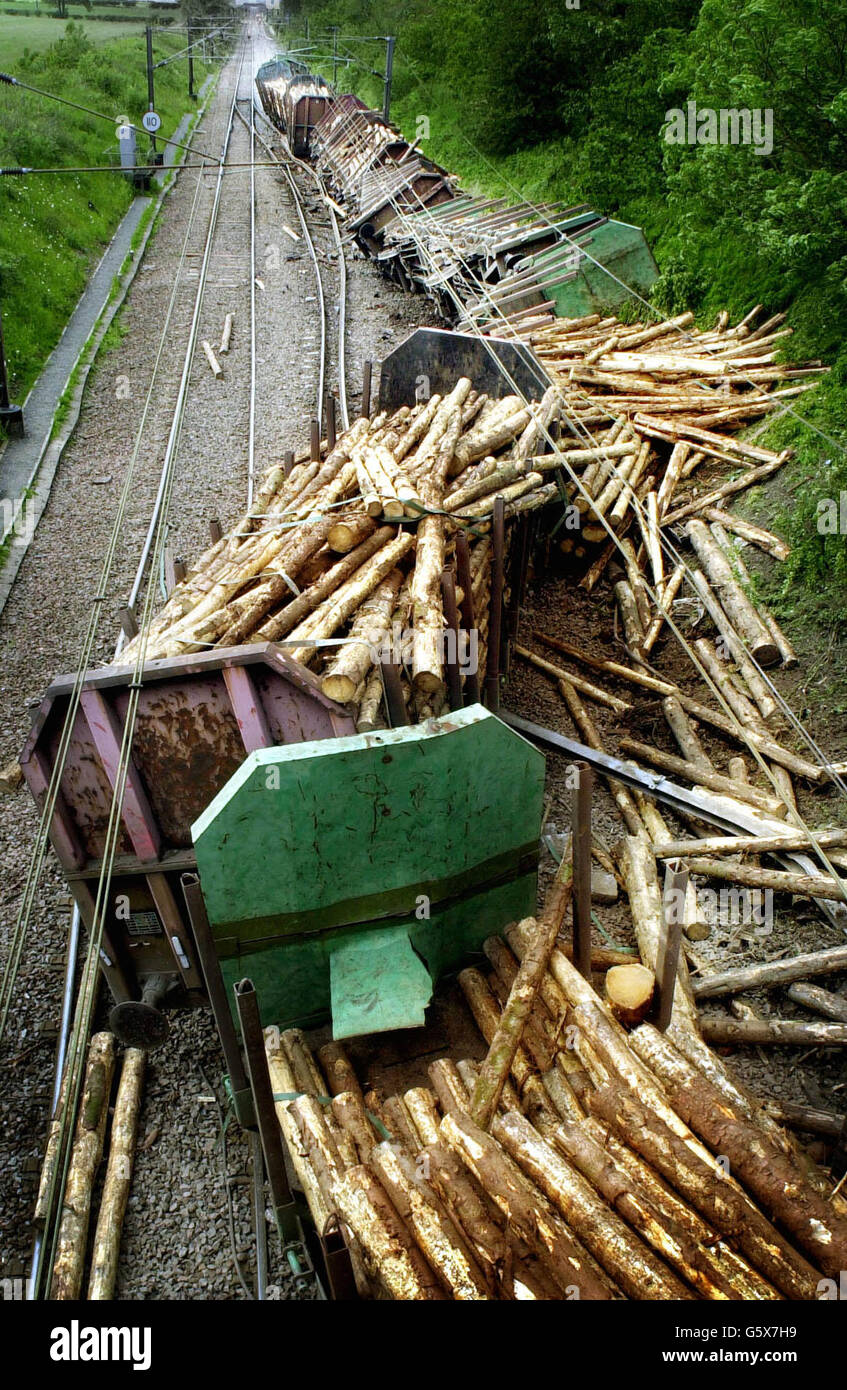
[292, 974]
[422, 839]
[317, 835]
[377, 983]
[621, 250]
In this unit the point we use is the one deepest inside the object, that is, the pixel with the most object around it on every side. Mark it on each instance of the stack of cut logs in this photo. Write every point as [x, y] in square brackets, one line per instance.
[707, 593]
[353, 547]
[576, 1160]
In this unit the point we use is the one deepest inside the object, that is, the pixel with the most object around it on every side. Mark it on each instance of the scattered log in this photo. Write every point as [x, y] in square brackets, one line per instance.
[767, 1172]
[769, 973]
[692, 773]
[807, 1119]
[749, 844]
[757, 535]
[85, 1158]
[820, 1001]
[773, 880]
[107, 1235]
[779, 1032]
[585, 687]
[216, 368]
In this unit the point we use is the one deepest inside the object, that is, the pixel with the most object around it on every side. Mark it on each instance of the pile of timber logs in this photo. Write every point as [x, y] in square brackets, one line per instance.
[373, 538]
[389, 533]
[577, 1160]
[677, 395]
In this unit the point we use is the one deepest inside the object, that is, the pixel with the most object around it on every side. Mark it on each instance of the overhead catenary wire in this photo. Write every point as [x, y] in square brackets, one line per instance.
[575, 426]
[154, 544]
[12, 81]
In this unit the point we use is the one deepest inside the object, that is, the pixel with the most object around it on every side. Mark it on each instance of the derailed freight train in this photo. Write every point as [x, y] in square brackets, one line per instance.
[292, 99]
[487, 263]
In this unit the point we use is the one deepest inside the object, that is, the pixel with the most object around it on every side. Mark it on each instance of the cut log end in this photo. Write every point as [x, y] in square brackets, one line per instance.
[630, 990]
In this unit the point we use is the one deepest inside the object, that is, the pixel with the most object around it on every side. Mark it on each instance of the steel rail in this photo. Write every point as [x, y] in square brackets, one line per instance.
[85, 1004]
[307, 235]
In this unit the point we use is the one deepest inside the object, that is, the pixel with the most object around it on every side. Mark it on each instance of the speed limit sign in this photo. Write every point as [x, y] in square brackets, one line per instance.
[151, 122]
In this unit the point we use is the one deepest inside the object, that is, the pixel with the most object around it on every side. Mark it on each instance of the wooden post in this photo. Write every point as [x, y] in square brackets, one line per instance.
[215, 531]
[330, 422]
[667, 963]
[463, 567]
[367, 373]
[451, 634]
[315, 441]
[495, 610]
[394, 702]
[581, 827]
[287, 461]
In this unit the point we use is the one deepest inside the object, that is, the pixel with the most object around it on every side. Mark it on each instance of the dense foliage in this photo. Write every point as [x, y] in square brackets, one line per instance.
[569, 98]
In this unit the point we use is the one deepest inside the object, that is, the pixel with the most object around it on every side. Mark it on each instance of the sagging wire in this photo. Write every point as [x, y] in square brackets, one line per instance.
[12, 81]
[86, 997]
[575, 426]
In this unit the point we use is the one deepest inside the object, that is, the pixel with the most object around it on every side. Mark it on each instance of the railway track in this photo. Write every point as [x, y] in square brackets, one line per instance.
[225, 261]
[287, 164]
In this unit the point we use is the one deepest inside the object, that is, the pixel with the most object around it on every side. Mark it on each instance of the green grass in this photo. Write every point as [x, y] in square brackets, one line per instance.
[53, 228]
[36, 32]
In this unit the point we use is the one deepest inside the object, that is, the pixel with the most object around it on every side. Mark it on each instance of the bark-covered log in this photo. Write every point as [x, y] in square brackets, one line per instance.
[738, 607]
[349, 1110]
[467, 1205]
[723, 1204]
[443, 1245]
[820, 1001]
[769, 973]
[721, 1262]
[766, 1171]
[694, 1262]
[528, 1211]
[524, 991]
[346, 671]
[87, 1151]
[776, 1032]
[339, 1070]
[107, 1235]
[391, 1254]
[633, 1267]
